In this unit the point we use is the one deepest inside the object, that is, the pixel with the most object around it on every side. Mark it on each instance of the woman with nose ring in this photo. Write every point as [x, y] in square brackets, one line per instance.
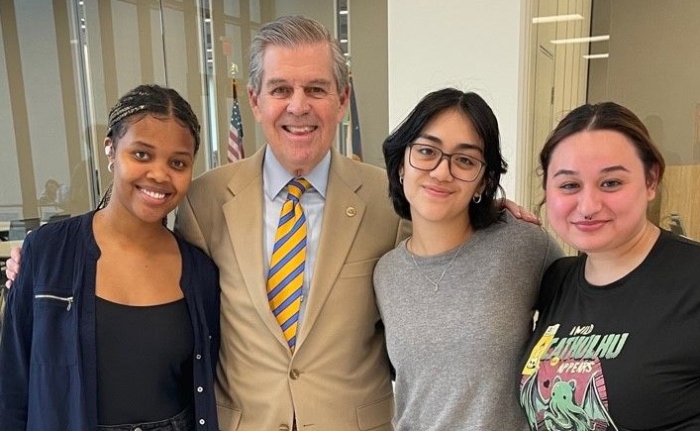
[617, 343]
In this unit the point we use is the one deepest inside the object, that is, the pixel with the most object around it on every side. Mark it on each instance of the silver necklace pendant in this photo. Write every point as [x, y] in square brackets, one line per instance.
[436, 284]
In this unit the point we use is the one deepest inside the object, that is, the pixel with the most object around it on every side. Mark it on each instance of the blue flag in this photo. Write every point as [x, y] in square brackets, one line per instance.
[355, 124]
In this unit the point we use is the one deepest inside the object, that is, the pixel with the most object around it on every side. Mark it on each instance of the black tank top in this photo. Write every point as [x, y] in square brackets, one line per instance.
[144, 361]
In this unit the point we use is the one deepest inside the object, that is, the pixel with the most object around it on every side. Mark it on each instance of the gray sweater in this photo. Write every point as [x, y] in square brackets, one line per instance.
[456, 350]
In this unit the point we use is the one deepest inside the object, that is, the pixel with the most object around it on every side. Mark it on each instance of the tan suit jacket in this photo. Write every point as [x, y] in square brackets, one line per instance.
[338, 377]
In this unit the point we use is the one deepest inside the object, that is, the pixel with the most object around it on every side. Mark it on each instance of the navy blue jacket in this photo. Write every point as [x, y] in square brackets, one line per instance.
[48, 359]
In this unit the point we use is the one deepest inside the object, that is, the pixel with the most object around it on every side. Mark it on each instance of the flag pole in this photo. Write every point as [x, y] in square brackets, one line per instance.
[354, 143]
[234, 70]
[235, 137]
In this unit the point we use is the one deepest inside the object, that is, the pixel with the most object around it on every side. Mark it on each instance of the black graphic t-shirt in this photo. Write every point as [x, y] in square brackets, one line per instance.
[621, 356]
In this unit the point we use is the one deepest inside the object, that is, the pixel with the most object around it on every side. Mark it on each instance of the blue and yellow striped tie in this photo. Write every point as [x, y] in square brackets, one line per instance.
[286, 275]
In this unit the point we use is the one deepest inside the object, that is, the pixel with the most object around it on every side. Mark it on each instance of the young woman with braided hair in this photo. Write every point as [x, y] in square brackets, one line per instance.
[113, 322]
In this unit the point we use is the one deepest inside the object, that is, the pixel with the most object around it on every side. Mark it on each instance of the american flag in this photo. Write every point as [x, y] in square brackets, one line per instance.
[235, 131]
[355, 124]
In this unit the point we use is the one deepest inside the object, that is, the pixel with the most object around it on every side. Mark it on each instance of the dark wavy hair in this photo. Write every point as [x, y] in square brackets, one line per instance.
[481, 214]
[605, 116]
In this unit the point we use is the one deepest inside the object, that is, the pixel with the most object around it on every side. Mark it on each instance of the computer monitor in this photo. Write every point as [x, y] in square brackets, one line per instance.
[20, 228]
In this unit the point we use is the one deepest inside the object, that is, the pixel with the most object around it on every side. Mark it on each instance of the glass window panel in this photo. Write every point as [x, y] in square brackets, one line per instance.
[10, 191]
[232, 8]
[255, 15]
[126, 38]
[236, 49]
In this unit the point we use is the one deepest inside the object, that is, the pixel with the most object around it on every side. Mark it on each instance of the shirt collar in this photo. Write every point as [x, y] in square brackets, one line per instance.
[276, 177]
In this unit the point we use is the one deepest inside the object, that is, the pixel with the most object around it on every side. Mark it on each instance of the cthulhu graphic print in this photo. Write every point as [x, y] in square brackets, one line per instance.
[563, 385]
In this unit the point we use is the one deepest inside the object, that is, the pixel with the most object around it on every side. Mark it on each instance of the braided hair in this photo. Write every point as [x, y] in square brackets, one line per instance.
[154, 100]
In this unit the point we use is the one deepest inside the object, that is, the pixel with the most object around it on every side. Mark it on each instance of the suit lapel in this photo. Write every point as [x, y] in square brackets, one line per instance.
[342, 214]
[245, 221]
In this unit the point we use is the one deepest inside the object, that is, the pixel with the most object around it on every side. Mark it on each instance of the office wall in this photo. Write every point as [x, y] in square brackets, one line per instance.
[472, 45]
[322, 11]
[368, 45]
[653, 69]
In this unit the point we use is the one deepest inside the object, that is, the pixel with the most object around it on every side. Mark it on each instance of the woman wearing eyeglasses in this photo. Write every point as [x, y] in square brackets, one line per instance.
[457, 297]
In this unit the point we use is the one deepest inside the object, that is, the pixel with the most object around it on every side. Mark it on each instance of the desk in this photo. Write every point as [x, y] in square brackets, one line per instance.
[4, 226]
[6, 246]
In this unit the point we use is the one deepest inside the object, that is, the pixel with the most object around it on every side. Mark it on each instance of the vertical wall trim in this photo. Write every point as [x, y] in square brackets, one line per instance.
[20, 115]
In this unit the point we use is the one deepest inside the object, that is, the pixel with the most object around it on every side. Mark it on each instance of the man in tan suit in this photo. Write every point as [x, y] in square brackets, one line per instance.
[337, 377]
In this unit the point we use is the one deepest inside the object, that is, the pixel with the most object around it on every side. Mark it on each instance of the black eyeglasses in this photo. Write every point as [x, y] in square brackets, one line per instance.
[426, 158]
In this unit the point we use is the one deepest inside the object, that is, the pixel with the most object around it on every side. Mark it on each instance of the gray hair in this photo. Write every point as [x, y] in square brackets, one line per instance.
[290, 32]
